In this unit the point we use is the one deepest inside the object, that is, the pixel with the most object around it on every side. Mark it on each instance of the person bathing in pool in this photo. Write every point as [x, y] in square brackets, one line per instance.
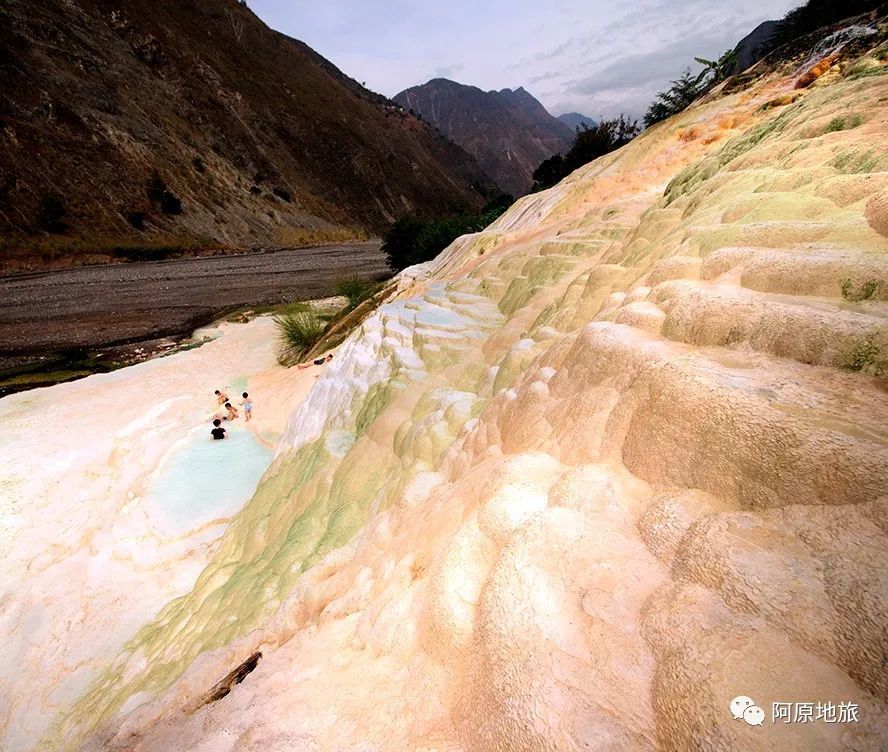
[248, 406]
[217, 431]
[232, 411]
[221, 397]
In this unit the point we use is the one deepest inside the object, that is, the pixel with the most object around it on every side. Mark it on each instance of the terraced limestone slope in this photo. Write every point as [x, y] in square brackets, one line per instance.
[589, 475]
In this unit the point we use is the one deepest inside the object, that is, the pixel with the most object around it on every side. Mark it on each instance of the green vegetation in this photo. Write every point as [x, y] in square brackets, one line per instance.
[298, 329]
[147, 252]
[51, 213]
[866, 291]
[856, 162]
[54, 370]
[287, 236]
[73, 249]
[871, 64]
[687, 87]
[588, 144]
[716, 70]
[411, 241]
[843, 123]
[741, 144]
[699, 172]
[170, 204]
[137, 220]
[676, 98]
[867, 72]
[159, 194]
[865, 357]
[803, 20]
[814, 15]
[156, 187]
[355, 289]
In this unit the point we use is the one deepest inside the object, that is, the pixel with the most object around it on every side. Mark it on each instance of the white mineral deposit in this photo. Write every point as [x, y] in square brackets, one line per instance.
[578, 484]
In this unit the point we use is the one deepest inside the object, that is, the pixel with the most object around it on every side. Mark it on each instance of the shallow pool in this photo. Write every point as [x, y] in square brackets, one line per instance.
[206, 480]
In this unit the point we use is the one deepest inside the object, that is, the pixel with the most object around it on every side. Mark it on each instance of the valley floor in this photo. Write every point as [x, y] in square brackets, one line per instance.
[44, 317]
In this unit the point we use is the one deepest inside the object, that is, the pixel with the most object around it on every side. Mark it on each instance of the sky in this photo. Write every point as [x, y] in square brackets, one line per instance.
[598, 57]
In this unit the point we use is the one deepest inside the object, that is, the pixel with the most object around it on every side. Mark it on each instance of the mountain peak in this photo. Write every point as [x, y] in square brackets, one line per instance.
[508, 131]
[522, 97]
[576, 120]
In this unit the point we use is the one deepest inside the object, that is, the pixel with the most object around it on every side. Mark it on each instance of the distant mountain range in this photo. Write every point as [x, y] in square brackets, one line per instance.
[508, 131]
[574, 120]
[153, 121]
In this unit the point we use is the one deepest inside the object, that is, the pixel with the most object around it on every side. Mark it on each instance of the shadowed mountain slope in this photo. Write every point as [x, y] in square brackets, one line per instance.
[192, 123]
[508, 131]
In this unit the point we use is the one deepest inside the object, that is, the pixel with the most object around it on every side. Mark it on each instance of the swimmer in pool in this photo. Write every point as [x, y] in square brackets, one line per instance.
[232, 411]
[247, 404]
[221, 397]
[218, 432]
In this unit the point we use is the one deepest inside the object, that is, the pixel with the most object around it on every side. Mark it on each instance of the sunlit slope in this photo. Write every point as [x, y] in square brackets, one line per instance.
[620, 458]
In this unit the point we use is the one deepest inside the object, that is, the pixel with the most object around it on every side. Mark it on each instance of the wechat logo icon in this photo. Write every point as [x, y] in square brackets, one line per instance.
[743, 708]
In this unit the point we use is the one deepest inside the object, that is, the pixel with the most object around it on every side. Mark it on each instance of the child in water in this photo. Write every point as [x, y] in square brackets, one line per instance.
[232, 411]
[217, 431]
[221, 397]
[248, 406]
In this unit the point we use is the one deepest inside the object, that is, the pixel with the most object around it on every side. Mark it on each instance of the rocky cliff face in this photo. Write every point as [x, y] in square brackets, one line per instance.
[182, 123]
[509, 132]
[584, 479]
[754, 45]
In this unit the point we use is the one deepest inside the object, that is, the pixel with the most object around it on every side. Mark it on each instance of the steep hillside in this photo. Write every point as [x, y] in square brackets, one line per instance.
[754, 45]
[185, 123]
[575, 485]
[508, 131]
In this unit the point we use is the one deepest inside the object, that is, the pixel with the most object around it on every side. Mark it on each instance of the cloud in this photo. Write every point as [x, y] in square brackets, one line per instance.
[447, 71]
[543, 55]
[618, 77]
[544, 77]
[600, 57]
[643, 68]
[608, 103]
[558, 51]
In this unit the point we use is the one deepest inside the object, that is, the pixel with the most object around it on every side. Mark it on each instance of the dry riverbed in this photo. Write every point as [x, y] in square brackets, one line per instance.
[60, 325]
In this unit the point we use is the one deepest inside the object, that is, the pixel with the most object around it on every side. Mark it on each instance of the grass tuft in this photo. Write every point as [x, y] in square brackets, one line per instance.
[866, 291]
[298, 330]
[865, 358]
[843, 123]
[355, 289]
[296, 237]
[856, 162]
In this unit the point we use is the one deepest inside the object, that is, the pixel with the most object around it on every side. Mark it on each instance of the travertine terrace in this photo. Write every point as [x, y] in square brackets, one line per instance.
[585, 478]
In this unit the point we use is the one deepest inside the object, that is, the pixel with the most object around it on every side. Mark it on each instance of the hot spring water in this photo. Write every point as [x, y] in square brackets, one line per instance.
[207, 480]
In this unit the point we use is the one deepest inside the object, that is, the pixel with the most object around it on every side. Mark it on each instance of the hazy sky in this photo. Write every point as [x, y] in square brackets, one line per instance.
[598, 57]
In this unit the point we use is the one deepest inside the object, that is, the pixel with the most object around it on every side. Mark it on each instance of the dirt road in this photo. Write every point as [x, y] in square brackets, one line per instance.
[84, 309]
